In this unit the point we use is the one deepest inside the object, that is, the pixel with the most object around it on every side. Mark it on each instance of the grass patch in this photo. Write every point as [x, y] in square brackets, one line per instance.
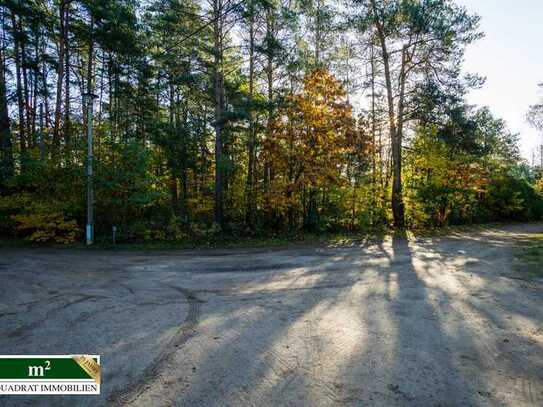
[529, 256]
[232, 242]
[527, 250]
[226, 242]
[12, 243]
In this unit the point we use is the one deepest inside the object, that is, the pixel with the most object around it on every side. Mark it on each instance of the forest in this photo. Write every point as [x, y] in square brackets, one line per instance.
[256, 118]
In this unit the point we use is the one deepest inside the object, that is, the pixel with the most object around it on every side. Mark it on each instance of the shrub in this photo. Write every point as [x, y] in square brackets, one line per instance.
[38, 221]
[46, 227]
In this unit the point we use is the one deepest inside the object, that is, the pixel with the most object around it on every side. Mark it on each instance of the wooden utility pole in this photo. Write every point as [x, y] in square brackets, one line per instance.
[89, 102]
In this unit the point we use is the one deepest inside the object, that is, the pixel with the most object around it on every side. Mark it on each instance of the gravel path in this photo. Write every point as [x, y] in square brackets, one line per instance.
[426, 322]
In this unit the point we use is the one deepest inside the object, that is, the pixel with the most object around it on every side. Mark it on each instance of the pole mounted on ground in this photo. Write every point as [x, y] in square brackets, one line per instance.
[88, 98]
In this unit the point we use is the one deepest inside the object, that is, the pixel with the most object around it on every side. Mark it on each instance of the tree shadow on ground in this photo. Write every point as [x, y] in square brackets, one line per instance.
[391, 323]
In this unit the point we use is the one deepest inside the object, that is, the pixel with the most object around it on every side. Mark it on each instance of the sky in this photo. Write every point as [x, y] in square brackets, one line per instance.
[511, 58]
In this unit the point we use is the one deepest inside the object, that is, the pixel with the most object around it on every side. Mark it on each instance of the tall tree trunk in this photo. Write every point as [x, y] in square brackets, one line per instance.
[24, 69]
[373, 131]
[183, 208]
[67, 123]
[42, 135]
[6, 146]
[35, 79]
[397, 199]
[219, 110]
[111, 96]
[173, 168]
[397, 196]
[60, 80]
[19, 88]
[174, 194]
[101, 95]
[251, 144]
[270, 52]
[45, 95]
[318, 32]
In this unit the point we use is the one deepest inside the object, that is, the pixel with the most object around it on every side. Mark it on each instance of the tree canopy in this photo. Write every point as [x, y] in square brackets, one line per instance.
[254, 118]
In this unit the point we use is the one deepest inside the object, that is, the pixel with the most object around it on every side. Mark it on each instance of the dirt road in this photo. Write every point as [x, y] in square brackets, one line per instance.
[426, 322]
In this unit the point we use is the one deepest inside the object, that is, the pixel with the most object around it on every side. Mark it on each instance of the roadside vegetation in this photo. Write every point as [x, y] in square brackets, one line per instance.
[529, 256]
[218, 121]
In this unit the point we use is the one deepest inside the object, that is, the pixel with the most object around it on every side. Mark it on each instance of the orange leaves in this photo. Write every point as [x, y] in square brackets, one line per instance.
[309, 138]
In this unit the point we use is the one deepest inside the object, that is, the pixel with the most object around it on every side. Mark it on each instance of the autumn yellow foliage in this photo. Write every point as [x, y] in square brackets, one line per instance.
[47, 227]
[439, 181]
[309, 142]
[39, 221]
[539, 187]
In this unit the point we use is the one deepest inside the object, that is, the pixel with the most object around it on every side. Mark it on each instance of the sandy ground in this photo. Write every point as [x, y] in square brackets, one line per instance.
[427, 322]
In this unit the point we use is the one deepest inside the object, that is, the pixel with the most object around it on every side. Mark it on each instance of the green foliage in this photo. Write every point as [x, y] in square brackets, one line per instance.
[510, 198]
[272, 117]
[449, 186]
[38, 221]
[125, 189]
[441, 184]
[45, 204]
